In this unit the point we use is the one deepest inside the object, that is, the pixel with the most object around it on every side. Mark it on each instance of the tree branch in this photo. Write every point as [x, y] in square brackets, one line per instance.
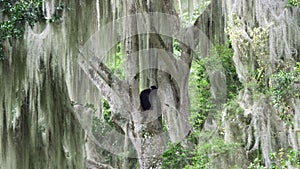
[110, 86]
[105, 72]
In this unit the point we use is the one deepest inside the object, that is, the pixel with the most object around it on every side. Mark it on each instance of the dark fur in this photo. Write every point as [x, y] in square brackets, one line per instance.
[145, 98]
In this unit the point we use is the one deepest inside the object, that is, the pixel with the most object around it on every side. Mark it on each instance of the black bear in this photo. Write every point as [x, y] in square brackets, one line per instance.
[145, 98]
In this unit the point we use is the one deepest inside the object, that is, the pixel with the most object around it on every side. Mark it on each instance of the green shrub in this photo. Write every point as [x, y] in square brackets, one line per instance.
[175, 157]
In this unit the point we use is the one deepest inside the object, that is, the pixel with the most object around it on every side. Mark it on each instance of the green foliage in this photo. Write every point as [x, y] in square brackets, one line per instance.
[203, 103]
[209, 150]
[176, 48]
[257, 80]
[260, 38]
[292, 3]
[256, 164]
[199, 161]
[57, 16]
[257, 43]
[175, 157]
[1, 50]
[164, 125]
[235, 32]
[234, 108]
[17, 13]
[297, 69]
[224, 55]
[282, 88]
[115, 62]
[209, 147]
[205, 151]
[103, 124]
[220, 58]
[91, 106]
[280, 160]
[107, 114]
[194, 137]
